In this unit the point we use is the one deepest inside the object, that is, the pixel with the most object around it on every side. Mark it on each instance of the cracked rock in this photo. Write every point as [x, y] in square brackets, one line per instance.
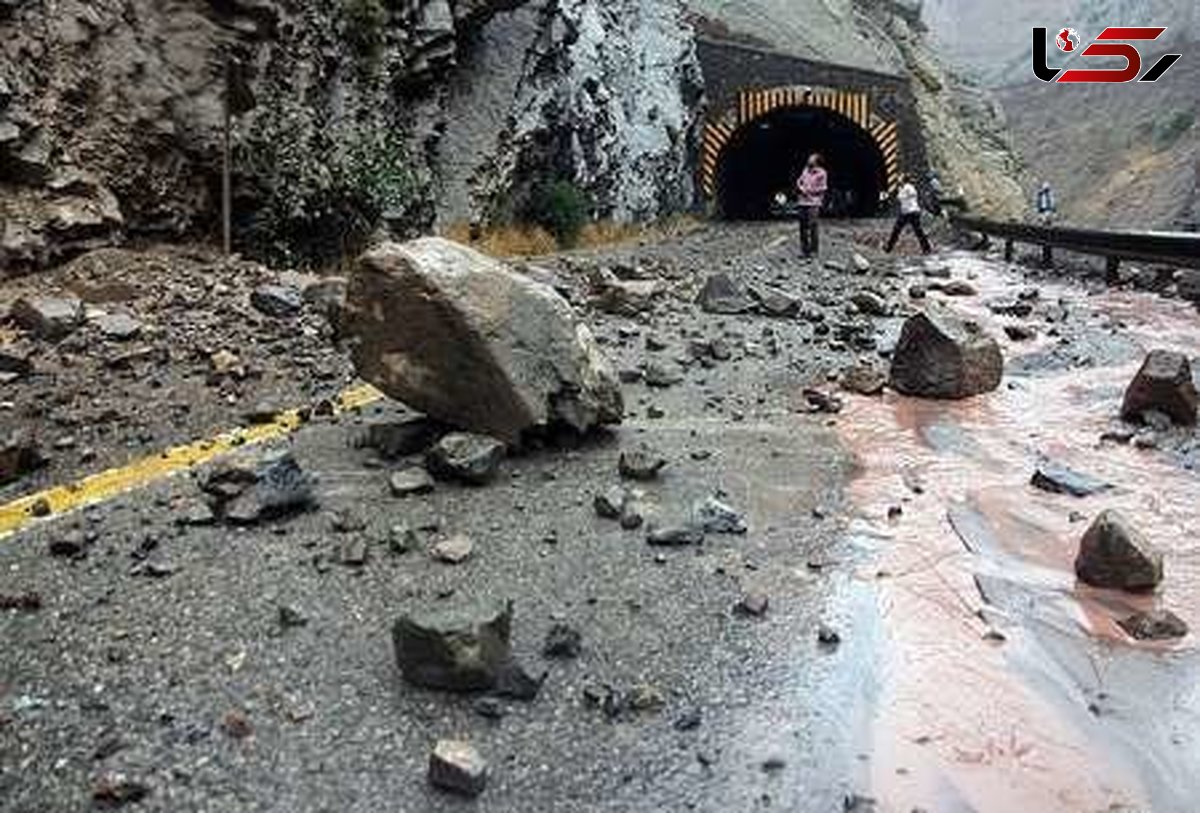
[461, 650]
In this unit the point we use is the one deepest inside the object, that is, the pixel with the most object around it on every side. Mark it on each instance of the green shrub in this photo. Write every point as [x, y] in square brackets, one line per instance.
[562, 208]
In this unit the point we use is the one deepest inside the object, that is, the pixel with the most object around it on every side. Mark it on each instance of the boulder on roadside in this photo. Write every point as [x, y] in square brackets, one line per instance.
[48, 317]
[1116, 556]
[721, 294]
[462, 649]
[468, 341]
[941, 355]
[1164, 384]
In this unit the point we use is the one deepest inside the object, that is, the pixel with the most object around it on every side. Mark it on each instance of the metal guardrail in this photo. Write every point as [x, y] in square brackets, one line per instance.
[1169, 248]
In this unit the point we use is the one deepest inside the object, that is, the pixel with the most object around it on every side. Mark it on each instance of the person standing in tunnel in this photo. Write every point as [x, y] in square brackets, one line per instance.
[909, 215]
[812, 185]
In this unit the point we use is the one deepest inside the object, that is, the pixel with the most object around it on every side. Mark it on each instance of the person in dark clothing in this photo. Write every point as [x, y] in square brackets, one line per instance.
[910, 215]
[812, 185]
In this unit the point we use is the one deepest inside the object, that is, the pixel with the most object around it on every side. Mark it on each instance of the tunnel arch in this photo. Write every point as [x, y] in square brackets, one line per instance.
[754, 148]
[763, 158]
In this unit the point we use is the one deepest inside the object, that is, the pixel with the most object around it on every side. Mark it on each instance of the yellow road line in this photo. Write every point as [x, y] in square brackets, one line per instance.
[107, 484]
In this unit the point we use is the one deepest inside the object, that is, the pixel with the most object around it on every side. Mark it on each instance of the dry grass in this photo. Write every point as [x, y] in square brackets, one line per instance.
[529, 241]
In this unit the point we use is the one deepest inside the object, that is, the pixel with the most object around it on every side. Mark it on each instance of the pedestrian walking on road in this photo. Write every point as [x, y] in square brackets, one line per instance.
[1045, 204]
[811, 186]
[909, 215]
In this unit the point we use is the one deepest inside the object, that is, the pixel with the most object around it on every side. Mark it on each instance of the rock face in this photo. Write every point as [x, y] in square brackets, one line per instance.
[1164, 384]
[1114, 555]
[940, 355]
[469, 342]
[349, 115]
[459, 650]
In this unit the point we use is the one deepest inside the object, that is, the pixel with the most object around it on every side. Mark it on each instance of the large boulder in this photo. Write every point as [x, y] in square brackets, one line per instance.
[1114, 555]
[1163, 384]
[461, 650]
[468, 341]
[722, 294]
[941, 355]
[48, 317]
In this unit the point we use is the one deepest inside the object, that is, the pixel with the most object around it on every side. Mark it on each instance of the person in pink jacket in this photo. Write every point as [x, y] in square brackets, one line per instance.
[812, 185]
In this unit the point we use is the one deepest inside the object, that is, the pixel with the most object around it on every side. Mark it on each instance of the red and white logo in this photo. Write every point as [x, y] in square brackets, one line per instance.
[1113, 41]
[1067, 40]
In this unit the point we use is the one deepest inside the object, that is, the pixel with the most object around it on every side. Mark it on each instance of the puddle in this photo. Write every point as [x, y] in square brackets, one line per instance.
[1066, 713]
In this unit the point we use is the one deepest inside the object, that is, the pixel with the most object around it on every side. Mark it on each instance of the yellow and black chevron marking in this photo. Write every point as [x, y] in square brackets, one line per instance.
[754, 104]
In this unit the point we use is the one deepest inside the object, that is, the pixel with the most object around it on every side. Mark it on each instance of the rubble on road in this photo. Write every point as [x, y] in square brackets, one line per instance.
[941, 355]
[1114, 555]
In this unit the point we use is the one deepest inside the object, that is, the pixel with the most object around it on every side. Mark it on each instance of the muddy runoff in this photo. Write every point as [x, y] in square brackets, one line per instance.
[1002, 684]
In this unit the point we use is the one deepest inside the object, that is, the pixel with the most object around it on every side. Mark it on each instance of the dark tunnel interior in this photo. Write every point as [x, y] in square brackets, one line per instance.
[766, 156]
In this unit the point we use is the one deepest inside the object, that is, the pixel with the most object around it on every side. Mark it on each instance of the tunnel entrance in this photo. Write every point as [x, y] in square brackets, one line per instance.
[766, 156]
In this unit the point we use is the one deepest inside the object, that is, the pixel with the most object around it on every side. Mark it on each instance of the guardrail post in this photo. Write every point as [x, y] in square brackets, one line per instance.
[1111, 266]
[1008, 250]
[1047, 255]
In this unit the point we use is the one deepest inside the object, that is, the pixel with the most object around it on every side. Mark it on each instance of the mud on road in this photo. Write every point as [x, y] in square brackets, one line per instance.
[925, 645]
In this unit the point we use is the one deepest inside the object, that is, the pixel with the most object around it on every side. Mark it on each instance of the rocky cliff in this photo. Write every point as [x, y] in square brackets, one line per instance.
[348, 115]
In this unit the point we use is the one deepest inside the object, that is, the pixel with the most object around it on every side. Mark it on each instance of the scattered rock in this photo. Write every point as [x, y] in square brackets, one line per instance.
[460, 650]
[871, 304]
[249, 490]
[754, 603]
[1021, 308]
[821, 401]
[516, 683]
[465, 457]
[627, 297]
[611, 503]
[455, 766]
[353, 552]
[410, 481]
[640, 463]
[468, 341]
[864, 379]
[1059, 479]
[955, 287]
[1164, 384]
[690, 720]
[721, 294]
[660, 376]
[772, 302]
[827, 636]
[454, 550]
[715, 517]
[489, 707]
[563, 641]
[291, 616]
[1114, 555]
[859, 263]
[118, 326]
[48, 317]
[940, 355]
[23, 602]
[19, 456]
[1158, 625]
[279, 301]
[70, 545]
[669, 536]
[236, 725]
[16, 361]
[396, 439]
[113, 789]
[1020, 333]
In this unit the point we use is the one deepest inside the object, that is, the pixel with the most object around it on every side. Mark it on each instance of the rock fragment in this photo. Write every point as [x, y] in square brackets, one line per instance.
[864, 379]
[461, 649]
[454, 550]
[941, 355]
[48, 317]
[413, 480]
[114, 789]
[279, 301]
[249, 490]
[19, 455]
[456, 766]
[640, 463]
[468, 341]
[1113, 555]
[395, 439]
[1164, 384]
[716, 517]
[1059, 479]
[1157, 625]
[721, 294]
[465, 457]
[676, 535]
[563, 642]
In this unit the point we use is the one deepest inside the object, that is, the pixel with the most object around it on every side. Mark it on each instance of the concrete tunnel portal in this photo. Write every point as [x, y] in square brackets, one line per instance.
[764, 157]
